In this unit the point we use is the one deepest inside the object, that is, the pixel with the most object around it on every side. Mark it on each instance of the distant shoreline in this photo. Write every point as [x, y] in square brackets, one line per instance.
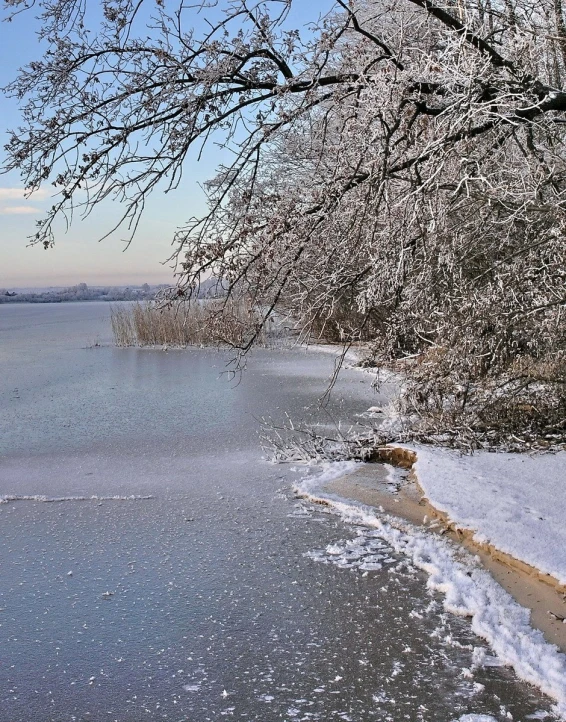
[71, 300]
[81, 292]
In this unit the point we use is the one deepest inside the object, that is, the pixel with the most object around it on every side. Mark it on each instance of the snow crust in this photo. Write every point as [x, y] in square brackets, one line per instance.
[7, 498]
[468, 590]
[513, 501]
[352, 355]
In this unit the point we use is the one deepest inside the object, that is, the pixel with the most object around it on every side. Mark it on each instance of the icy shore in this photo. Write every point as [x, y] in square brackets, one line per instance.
[467, 588]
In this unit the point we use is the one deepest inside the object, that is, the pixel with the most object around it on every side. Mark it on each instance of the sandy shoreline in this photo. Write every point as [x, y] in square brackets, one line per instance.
[371, 484]
[540, 592]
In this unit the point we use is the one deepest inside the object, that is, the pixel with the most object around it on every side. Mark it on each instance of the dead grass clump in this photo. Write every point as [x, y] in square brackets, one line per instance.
[122, 325]
[201, 323]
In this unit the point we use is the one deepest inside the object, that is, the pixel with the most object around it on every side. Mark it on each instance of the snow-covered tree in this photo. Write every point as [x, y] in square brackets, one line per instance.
[398, 173]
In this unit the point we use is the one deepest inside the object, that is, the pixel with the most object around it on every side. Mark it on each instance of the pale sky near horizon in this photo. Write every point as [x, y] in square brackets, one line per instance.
[78, 256]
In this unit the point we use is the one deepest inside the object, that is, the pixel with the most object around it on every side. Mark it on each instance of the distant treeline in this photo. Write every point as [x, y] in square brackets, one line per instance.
[82, 292]
[209, 288]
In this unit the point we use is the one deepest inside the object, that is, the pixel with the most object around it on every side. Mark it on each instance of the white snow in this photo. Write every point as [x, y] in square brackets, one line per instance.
[517, 502]
[467, 588]
[351, 355]
[361, 553]
[476, 718]
[7, 498]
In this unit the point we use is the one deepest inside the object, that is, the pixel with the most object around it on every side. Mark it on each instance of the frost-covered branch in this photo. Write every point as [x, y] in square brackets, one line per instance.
[397, 174]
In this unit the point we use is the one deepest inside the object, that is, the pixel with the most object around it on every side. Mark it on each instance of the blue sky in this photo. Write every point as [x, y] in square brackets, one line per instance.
[78, 256]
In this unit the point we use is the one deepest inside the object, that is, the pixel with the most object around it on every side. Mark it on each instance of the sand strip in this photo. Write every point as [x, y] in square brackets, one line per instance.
[371, 484]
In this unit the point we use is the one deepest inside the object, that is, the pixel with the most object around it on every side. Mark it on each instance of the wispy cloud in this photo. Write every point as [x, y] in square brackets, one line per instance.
[17, 210]
[19, 194]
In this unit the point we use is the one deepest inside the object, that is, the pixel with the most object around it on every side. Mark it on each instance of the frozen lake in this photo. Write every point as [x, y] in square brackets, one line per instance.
[184, 590]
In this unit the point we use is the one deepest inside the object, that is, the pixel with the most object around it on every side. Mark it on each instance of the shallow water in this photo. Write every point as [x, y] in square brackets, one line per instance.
[212, 598]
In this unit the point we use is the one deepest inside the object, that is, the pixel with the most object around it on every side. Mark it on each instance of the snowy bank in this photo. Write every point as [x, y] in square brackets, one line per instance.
[467, 588]
[514, 502]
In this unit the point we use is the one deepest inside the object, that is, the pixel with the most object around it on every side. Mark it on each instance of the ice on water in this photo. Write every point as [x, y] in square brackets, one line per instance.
[365, 552]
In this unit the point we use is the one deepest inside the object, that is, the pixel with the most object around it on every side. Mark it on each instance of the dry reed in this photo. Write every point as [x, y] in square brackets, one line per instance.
[201, 323]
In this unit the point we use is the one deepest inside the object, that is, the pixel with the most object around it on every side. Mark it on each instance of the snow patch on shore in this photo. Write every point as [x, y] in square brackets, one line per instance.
[468, 590]
[516, 502]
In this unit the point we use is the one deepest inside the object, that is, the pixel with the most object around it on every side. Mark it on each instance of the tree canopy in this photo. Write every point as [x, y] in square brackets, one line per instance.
[398, 173]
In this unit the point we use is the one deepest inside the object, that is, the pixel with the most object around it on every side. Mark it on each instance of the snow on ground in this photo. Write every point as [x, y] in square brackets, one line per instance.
[467, 588]
[517, 502]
